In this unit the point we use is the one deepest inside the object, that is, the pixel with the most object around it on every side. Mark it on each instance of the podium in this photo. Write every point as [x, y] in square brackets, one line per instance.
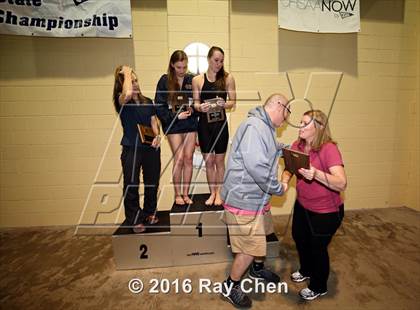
[185, 235]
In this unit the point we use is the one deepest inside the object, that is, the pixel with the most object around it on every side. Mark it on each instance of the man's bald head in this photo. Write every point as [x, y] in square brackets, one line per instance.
[275, 99]
[276, 107]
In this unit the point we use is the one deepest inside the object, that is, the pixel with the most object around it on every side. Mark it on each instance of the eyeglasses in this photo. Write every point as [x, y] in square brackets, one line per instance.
[286, 107]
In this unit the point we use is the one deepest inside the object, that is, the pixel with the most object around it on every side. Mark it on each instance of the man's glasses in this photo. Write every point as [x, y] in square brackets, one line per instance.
[286, 107]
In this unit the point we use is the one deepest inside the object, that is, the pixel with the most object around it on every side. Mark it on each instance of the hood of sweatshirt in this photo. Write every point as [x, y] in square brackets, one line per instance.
[260, 113]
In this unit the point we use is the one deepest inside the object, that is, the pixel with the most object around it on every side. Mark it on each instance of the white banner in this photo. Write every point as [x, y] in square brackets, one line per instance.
[66, 18]
[320, 15]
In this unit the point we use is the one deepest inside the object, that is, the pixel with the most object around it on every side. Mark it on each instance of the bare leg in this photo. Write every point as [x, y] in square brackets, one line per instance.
[220, 172]
[240, 265]
[189, 146]
[175, 142]
[211, 177]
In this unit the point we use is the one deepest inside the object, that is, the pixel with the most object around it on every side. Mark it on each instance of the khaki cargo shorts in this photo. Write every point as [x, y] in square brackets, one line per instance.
[247, 232]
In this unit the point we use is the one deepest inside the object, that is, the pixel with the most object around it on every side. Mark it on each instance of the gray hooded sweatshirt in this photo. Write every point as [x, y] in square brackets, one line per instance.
[252, 167]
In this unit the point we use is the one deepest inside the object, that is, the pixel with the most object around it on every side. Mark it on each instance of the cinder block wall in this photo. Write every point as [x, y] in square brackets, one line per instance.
[58, 125]
[376, 114]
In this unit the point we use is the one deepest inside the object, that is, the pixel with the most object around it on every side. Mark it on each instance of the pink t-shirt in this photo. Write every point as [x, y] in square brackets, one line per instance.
[313, 195]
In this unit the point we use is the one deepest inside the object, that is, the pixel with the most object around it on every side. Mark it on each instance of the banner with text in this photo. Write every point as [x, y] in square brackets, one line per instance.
[66, 18]
[320, 15]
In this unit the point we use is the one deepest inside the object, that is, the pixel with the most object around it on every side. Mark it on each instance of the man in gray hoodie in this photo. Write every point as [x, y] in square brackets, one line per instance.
[251, 178]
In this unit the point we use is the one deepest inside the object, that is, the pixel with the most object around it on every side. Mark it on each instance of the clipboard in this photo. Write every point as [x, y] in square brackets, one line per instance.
[146, 134]
[294, 160]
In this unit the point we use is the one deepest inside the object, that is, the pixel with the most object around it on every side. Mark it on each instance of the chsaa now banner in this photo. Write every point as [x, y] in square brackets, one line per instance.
[320, 15]
[66, 18]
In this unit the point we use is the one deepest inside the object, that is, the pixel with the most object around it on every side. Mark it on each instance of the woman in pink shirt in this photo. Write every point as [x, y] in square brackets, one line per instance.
[319, 209]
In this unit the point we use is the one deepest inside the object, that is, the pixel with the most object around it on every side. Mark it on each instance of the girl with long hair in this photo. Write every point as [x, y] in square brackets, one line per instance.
[213, 135]
[174, 99]
[134, 109]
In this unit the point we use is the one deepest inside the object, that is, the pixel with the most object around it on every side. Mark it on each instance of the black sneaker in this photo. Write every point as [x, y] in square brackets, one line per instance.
[236, 297]
[263, 274]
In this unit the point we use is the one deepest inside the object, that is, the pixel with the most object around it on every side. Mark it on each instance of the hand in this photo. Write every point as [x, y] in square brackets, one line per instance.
[204, 107]
[126, 70]
[221, 102]
[308, 174]
[156, 142]
[184, 115]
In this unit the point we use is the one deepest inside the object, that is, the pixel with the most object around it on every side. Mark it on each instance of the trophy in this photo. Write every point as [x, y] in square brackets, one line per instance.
[146, 134]
[181, 103]
[215, 112]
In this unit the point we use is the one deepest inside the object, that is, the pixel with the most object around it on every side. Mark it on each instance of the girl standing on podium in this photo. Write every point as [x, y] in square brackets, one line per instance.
[135, 109]
[173, 101]
[213, 134]
[318, 209]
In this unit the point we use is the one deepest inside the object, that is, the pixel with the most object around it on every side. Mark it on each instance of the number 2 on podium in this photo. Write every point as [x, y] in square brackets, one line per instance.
[143, 250]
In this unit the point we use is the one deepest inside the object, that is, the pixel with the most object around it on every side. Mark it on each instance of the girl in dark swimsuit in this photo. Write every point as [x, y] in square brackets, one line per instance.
[214, 136]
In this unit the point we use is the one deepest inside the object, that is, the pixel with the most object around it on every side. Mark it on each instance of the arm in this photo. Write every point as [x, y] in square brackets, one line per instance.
[231, 90]
[156, 130]
[257, 164]
[161, 98]
[335, 180]
[155, 125]
[285, 179]
[127, 91]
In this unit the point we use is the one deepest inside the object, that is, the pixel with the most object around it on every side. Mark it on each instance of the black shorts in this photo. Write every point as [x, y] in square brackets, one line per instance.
[214, 137]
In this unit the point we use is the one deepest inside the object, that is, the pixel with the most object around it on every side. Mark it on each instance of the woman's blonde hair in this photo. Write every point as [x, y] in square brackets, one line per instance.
[322, 130]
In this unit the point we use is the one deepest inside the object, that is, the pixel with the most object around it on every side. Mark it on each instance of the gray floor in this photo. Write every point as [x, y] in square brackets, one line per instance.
[375, 261]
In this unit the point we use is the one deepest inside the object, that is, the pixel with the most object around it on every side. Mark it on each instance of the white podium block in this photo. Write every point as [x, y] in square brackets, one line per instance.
[197, 219]
[146, 250]
[186, 235]
[198, 233]
[193, 250]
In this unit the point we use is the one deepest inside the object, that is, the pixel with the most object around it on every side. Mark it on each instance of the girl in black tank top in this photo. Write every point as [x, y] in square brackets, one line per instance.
[213, 136]
[210, 91]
